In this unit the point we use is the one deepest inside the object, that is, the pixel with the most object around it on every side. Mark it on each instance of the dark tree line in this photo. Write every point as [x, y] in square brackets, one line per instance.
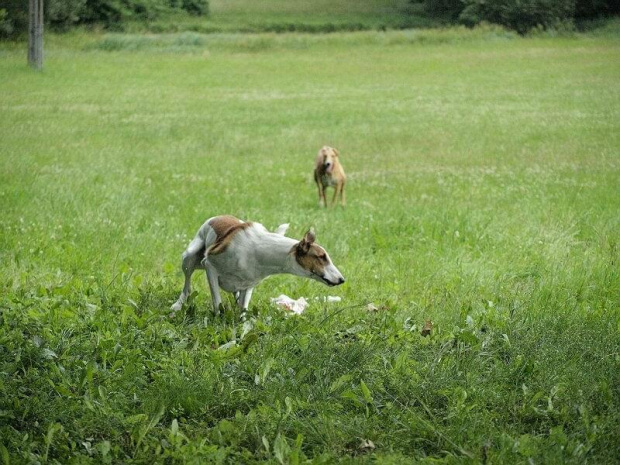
[520, 15]
[62, 14]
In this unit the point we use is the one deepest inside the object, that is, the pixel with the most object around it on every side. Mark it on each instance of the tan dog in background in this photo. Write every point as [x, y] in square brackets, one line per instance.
[328, 172]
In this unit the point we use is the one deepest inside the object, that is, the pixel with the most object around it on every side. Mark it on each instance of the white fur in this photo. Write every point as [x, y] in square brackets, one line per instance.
[252, 255]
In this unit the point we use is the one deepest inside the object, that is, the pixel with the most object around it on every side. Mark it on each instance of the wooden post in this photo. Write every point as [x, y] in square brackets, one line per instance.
[35, 34]
[30, 32]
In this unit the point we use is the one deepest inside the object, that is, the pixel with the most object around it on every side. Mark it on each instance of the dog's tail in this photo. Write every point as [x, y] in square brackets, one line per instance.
[281, 230]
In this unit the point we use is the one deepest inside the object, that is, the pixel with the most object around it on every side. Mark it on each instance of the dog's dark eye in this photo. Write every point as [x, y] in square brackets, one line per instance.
[323, 257]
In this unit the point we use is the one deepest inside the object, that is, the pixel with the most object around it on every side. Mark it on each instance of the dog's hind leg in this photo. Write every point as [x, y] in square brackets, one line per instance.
[191, 261]
[343, 199]
[213, 280]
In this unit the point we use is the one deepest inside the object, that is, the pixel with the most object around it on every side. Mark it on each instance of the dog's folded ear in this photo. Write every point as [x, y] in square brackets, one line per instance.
[307, 241]
[336, 152]
[310, 236]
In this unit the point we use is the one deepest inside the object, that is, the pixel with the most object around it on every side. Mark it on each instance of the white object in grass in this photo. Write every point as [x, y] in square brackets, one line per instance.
[292, 305]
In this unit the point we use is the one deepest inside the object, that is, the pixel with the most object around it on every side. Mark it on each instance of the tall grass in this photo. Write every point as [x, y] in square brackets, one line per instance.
[188, 41]
[482, 196]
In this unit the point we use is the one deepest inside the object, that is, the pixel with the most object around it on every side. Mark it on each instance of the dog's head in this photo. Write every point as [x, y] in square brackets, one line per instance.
[328, 156]
[314, 262]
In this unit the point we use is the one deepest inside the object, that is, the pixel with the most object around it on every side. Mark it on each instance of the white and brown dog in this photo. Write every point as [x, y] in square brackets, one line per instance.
[238, 255]
[328, 172]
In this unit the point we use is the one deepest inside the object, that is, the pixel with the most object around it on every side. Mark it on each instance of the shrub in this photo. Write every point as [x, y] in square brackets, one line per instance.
[62, 14]
[6, 27]
[588, 9]
[115, 11]
[15, 19]
[520, 15]
[196, 7]
[58, 14]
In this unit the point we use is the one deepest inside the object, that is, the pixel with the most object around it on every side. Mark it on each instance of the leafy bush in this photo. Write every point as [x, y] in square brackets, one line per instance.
[6, 27]
[61, 14]
[64, 13]
[196, 7]
[15, 17]
[115, 11]
[520, 15]
[596, 8]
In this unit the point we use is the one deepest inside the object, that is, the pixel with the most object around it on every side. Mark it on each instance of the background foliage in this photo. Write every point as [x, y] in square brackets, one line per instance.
[316, 16]
[62, 14]
[520, 15]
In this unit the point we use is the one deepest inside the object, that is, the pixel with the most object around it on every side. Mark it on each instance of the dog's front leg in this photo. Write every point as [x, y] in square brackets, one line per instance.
[339, 189]
[322, 201]
[335, 199]
[244, 301]
[212, 279]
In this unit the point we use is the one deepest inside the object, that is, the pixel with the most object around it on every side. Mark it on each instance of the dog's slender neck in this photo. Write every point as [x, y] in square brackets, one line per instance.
[273, 254]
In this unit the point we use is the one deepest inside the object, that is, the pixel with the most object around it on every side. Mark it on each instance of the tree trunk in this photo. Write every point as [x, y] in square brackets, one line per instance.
[35, 34]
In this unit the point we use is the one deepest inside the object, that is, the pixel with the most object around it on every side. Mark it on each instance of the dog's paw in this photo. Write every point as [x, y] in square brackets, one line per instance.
[176, 306]
[219, 310]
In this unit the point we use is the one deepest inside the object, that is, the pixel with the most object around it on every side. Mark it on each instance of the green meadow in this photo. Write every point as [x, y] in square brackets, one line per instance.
[483, 195]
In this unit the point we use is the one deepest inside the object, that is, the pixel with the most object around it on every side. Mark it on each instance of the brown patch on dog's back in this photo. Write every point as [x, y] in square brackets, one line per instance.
[223, 223]
[225, 227]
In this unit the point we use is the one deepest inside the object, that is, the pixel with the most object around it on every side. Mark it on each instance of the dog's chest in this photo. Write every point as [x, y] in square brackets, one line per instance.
[327, 180]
